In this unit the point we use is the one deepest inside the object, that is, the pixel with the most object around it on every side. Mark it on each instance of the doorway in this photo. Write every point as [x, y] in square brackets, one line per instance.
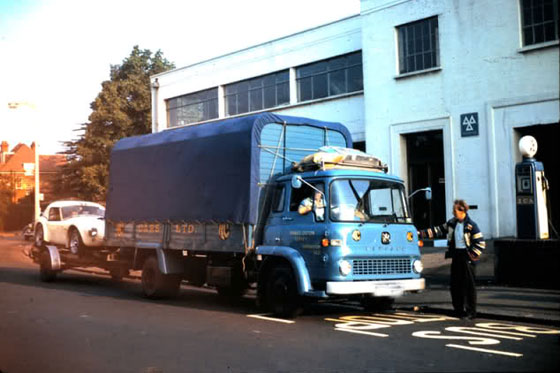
[426, 169]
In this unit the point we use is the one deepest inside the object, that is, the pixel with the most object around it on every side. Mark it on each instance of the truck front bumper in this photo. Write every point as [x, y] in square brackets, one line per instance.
[382, 288]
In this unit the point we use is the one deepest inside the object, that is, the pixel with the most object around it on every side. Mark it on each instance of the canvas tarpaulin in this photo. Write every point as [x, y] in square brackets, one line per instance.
[200, 173]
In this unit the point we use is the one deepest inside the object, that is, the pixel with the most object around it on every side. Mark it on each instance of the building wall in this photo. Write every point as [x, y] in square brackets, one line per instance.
[313, 45]
[483, 69]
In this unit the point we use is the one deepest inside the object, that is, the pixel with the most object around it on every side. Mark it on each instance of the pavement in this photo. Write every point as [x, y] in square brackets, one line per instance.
[495, 301]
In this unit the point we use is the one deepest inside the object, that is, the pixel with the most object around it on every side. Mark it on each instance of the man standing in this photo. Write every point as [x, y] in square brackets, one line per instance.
[465, 245]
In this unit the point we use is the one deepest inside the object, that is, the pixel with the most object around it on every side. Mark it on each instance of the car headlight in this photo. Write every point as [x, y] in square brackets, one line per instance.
[93, 232]
[345, 267]
[418, 266]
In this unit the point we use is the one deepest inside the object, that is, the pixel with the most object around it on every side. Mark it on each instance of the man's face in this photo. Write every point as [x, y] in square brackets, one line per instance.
[318, 197]
[459, 213]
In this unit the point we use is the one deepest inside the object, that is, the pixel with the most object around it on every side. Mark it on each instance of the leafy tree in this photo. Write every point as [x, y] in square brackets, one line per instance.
[121, 109]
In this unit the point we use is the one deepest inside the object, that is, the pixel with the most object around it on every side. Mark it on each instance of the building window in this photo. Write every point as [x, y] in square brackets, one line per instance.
[192, 108]
[330, 77]
[260, 93]
[540, 21]
[418, 45]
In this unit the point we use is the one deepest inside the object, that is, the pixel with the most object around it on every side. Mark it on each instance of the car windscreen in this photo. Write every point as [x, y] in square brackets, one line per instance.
[368, 200]
[81, 210]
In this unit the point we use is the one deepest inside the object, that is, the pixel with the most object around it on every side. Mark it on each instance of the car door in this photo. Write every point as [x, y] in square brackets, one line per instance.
[55, 227]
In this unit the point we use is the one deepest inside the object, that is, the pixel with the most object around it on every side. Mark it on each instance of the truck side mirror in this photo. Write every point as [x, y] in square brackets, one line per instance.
[296, 182]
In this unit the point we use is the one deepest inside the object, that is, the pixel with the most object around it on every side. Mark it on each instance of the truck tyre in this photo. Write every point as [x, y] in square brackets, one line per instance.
[156, 284]
[75, 242]
[46, 273]
[39, 237]
[281, 294]
[375, 304]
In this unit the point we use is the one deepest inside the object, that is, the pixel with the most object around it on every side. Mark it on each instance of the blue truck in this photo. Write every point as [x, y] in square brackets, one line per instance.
[273, 203]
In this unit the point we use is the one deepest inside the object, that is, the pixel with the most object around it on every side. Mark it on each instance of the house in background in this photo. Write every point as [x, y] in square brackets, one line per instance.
[17, 167]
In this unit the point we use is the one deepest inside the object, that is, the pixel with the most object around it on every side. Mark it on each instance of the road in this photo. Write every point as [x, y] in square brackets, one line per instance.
[89, 323]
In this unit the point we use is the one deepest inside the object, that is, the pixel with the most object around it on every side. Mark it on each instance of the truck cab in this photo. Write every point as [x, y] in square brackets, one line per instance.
[350, 224]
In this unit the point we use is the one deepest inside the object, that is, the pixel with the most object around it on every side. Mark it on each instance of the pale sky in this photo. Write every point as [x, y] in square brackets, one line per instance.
[54, 54]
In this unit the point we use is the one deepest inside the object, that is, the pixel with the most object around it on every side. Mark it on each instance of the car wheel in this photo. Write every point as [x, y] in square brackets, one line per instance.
[75, 241]
[46, 273]
[281, 293]
[156, 284]
[39, 236]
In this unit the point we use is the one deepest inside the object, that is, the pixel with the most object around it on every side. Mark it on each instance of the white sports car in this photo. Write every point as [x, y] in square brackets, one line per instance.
[71, 224]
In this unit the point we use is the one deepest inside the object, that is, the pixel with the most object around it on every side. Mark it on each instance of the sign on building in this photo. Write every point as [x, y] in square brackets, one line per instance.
[469, 124]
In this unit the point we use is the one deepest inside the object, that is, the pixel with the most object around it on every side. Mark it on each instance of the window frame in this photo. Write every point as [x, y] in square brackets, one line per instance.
[171, 105]
[329, 72]
[403, 46]
[524, 26]
[281, 78]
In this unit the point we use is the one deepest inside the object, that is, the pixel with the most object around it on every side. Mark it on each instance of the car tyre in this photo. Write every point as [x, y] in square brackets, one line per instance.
[39, 237]
[75, 242]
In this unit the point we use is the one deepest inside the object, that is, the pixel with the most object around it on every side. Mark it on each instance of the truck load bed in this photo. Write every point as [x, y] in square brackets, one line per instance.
[211, 172]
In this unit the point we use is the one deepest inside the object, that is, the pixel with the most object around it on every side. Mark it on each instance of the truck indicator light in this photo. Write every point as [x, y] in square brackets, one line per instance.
[409, 236]
[325, 242]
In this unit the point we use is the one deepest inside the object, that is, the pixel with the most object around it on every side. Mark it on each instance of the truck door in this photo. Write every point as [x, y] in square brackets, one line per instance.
[298, 227]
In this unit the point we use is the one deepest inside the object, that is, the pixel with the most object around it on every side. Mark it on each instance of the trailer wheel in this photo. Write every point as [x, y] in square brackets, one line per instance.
[281, 294]
[156, 284]
[375, 304]
[46, 273]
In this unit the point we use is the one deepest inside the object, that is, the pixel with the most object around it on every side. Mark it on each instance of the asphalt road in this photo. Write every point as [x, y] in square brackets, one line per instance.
[88, 323]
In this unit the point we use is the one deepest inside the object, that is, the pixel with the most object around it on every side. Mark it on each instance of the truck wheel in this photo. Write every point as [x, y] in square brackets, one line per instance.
[39, 236]
[46, 274]
[375, 304]
[281, 294]
[156, 284]
[75, 242]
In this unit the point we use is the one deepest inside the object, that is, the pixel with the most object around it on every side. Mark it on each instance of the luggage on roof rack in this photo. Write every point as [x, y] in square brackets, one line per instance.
[329, 157]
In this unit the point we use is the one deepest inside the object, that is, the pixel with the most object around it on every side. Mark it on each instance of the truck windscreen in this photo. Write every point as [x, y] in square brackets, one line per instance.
[368, 200]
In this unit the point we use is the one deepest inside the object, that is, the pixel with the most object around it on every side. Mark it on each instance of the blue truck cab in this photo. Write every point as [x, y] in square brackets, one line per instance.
[347, 228]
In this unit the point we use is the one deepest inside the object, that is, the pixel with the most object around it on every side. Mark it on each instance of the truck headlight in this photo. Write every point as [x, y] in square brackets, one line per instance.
[418, 266]
[345, 267]
[93, 232]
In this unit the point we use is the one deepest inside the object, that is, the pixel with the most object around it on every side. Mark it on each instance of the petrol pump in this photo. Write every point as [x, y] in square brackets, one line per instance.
[531, 193]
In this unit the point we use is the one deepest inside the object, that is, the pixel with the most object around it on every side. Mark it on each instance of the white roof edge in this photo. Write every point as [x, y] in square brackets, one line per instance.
[253, 46]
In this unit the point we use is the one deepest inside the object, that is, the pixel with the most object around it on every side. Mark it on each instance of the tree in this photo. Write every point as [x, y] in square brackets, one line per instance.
[121, 109]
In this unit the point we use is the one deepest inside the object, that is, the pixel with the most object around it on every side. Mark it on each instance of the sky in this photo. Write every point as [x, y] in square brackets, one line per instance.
[54, 54]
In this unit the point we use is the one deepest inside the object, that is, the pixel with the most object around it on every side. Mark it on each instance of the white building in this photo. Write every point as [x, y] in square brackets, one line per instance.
[441, 90]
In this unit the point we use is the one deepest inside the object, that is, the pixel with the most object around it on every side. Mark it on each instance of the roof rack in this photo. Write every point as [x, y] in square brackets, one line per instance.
[334, 157]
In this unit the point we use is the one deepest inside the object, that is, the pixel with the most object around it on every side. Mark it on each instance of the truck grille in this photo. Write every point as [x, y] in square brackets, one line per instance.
[381, 266]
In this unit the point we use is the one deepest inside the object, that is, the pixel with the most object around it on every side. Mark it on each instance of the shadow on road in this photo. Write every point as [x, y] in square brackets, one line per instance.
[90, 285]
